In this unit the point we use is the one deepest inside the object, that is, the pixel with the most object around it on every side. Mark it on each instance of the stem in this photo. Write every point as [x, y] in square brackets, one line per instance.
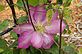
[10, 3]
[56, 43]
[30, 16]
[6, 31]
[25, 8]
[61, 19]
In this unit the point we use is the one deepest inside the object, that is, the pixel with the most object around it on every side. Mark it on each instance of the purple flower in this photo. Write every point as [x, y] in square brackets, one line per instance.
[43, 36]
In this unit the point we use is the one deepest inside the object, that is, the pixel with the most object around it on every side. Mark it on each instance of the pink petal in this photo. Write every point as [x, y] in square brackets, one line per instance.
[32, 11]
[38, 13]
[37, 40]
[23, 27]
[54, 16]
[48, 41]
[54, 28]
[24, 40]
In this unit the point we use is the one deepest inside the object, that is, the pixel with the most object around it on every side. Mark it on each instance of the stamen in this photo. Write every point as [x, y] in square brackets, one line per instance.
[40, 28]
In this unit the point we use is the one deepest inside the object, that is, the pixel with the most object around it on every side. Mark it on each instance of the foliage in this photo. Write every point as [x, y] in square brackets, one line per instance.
[80, 50]
[1, 7]
[33, 2]
[14, 35]
[67, 15]
[22, 19]
[67, 3]
[4, 25]
[19, 4]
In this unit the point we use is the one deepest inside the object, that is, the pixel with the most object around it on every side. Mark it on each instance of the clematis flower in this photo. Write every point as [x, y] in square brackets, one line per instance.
[43, 36]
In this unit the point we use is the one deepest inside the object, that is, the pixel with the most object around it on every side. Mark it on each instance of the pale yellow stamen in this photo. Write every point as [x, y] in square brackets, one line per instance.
[39, 27]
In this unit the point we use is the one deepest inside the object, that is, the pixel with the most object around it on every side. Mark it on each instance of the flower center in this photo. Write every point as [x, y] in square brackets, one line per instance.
[40, 28]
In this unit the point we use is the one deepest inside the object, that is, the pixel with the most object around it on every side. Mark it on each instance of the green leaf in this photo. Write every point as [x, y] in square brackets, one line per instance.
[70, 50]
[69, 31]
[49, 7]
[35, 51]
[42, 2]
[14, 35]
[33, 2]
[3, 45]
[72, 45]
[67, 15]
[19, 4]
[65, 31]
[28, 51]
[16, 51]
[45, 52]
[80, 51]
[53, 50]
[22, 19]
[67, 3]
[8, 51]
[63, 42]
[23, 51]
[4, 25]
[56, 37]
[1, 50]
[1, 7]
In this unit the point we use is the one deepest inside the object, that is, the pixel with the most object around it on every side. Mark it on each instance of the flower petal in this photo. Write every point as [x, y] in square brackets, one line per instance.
[37, 40]
[38, 13]
[54, 28]
[48, 41]
[24, 40]
[32, 11]
[54, 16]
[23, 27]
